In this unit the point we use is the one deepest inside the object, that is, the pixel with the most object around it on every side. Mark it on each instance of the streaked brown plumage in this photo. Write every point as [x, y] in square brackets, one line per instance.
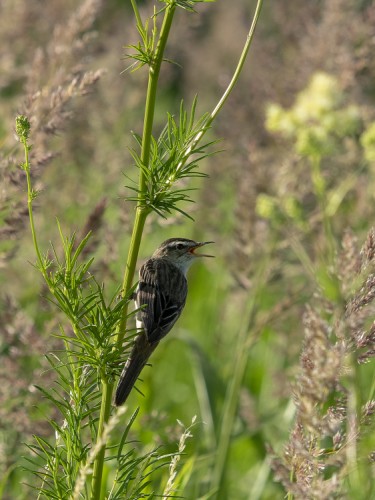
[160, 297]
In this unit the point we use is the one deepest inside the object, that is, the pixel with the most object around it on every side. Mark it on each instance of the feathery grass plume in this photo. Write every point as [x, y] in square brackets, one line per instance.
[19, 341]
[58, 74]
[93, 225]
[173, 482]
[13, 214]
[326, 444]
[86, 469]
[360, 307]
[56, 77]
[48, 88]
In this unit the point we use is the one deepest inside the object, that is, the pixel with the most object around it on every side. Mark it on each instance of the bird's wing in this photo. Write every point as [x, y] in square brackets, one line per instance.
[161, 297]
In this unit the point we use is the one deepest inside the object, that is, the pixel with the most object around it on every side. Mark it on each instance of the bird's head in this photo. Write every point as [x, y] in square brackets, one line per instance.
[181, 251]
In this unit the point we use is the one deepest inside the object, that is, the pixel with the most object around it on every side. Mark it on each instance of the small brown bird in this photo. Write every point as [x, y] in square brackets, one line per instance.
[160, 298]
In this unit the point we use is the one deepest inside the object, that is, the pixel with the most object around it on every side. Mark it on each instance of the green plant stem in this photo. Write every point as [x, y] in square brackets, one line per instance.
[321, 195]
[30, 198]
[139, 223]
[357, 475]
[105, 411]
[240, 64]
[233, 392]
[151, 94]
[136, 12]
[142, 211]
[135, 242]
[211, 117]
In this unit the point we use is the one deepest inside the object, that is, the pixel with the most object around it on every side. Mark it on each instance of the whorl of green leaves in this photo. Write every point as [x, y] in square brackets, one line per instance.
[174, 157]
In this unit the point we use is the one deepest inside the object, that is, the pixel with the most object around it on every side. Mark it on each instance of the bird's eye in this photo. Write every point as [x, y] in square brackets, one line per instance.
[179, 246]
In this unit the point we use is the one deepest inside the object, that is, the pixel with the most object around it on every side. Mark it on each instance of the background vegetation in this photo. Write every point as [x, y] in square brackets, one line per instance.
[273, 354]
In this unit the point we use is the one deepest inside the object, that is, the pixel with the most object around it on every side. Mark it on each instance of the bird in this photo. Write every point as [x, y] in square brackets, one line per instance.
[159, 300]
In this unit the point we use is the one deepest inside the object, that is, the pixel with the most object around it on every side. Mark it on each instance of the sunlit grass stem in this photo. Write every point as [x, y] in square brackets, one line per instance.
[211, 117]
[23, 127]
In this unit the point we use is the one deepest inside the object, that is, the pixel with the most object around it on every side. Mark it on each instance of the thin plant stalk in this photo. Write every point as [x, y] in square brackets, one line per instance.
[23, 127]
[233, 392]
[321, 194]
[23, 130]
[211, 117]
[105, 411]
[240, 64]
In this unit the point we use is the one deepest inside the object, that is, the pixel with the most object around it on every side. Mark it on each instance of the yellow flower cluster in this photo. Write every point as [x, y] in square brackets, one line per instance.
[318, 120]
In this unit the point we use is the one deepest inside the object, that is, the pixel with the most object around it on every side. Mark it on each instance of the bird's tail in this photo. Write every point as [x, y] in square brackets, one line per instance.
[142, 350]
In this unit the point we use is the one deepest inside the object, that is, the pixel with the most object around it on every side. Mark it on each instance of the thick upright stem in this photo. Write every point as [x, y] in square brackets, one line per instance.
[140, 218]
[142, 211]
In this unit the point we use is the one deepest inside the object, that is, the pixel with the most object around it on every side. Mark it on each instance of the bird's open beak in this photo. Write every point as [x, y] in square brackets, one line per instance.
[192, 250]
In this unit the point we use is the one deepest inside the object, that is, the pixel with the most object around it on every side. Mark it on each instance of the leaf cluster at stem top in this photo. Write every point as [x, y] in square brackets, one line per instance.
[93, 320]
[144, 51]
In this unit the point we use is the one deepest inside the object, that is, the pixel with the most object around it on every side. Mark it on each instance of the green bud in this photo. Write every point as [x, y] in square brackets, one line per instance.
[22, 127]
[266, 206]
